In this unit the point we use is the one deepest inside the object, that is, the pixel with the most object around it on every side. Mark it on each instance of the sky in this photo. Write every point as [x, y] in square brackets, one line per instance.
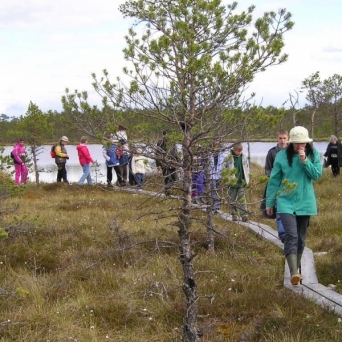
[48, 46]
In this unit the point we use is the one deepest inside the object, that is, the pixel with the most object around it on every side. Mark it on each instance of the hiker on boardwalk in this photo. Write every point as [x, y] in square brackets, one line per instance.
[168, 157]
[123, 155]
[216, 164]
[237, 162]
[85, 161]
[140, 166]
[298, 164]
[333, 155]
[18, 155]
[282, 138]
[109, 151]
[61, 159]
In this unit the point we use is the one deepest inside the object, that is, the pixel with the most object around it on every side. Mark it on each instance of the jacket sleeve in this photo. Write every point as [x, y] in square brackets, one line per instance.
[104, 153]
[269, 163]
[327, 152]
[147, 165]
[87, 155]
[273, 184]
[133, 169]
[313, 167]
[59, 152]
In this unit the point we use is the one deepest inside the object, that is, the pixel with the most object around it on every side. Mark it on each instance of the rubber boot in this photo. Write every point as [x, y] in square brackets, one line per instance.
[292, 262]
[299, 265]
[299, 258]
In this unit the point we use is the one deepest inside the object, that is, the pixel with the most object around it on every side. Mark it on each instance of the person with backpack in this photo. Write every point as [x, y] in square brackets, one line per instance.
[300, 164]
[109, 152]
[18, 156]
[61, 159]
[85, 161]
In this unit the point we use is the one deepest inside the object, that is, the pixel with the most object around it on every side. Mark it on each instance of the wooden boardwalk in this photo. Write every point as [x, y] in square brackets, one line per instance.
[310, 288]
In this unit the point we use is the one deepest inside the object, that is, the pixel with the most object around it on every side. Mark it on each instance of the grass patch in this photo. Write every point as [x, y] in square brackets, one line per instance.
[88, 264]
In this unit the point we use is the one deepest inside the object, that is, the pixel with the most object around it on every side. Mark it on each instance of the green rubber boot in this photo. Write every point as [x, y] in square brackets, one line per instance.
[292, 262]
[299, 258]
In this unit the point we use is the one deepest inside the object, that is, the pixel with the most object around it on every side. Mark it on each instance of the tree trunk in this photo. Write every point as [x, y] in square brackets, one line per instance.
[313, 123]
[210, 232]
[209, 201]
[190, 329]
[35, 163]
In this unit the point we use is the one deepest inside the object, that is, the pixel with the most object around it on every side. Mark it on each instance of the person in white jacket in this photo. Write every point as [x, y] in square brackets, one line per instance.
[140, 166]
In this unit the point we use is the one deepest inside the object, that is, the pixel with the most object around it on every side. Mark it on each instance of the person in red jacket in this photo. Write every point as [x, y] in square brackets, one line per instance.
[85, 160]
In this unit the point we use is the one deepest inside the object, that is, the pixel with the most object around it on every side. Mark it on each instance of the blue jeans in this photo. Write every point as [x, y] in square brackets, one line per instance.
[86, 175]
[139, 179]
[281, 230]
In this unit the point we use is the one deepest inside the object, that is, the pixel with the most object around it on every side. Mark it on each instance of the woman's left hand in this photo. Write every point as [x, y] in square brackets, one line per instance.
[269, 211]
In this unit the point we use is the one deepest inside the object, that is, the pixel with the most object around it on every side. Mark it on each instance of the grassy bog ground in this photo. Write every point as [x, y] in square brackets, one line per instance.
[89, 264]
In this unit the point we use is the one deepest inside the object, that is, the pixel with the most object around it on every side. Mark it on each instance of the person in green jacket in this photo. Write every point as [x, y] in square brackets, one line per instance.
[296, 166]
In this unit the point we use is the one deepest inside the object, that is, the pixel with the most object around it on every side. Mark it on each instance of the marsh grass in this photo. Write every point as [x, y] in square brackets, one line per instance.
[88, 264]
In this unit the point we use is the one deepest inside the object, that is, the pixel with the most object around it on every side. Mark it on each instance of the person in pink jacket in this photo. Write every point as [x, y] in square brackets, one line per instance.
[85, 160]
[21, 170]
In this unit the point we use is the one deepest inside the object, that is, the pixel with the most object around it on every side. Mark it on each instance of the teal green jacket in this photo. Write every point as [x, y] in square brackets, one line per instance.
[301, 201]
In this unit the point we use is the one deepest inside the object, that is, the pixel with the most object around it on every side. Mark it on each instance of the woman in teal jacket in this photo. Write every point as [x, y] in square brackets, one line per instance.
[297, 165]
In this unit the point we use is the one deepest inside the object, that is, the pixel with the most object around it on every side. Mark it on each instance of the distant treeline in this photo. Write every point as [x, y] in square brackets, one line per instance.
[324, 126]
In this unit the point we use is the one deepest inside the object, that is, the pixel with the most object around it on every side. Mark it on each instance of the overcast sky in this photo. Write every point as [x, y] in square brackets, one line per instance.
[48, 45]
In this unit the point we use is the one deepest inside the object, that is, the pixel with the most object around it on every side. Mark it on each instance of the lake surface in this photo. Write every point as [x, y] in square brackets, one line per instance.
[48, 170]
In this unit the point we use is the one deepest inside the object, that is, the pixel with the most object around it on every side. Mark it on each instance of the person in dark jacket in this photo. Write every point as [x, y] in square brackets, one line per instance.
[109, 152]
[167, 157]
[333, 155]
[61, 159]
[282, 138]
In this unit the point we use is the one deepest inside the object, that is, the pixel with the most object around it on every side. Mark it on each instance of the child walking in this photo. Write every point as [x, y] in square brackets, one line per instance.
[139, 167]
[85, 160]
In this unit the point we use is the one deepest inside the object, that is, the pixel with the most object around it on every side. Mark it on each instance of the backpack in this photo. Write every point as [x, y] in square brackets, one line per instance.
[53, 152]
[12, 155]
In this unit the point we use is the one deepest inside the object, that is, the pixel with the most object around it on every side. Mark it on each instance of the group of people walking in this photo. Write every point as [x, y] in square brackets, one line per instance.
[117, 157]
[293, 159]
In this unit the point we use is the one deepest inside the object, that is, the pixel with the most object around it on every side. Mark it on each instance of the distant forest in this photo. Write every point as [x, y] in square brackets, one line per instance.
[61, 124]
